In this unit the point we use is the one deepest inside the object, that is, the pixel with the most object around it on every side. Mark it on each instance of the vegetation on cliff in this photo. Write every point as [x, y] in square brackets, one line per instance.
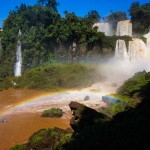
[57, 76]
[54, 77]
[129, 94]
[53, 113]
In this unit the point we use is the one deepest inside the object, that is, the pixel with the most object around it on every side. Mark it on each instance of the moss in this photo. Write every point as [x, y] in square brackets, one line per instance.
[58, 76]
[64, 139]
[132, 86]
[37, 138]
[53, 112]
[18, 147]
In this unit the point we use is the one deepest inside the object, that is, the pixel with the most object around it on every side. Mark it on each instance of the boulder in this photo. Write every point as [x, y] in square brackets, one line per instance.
[84, 116]
[87, 98]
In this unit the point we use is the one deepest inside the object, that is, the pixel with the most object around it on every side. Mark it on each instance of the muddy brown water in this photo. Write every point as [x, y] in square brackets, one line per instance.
[17, 128]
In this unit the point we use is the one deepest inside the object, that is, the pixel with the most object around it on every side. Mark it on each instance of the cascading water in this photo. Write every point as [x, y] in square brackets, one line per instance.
[137, 49]
[147, 36]
[124, 28]
[18, 64]
[121, 50]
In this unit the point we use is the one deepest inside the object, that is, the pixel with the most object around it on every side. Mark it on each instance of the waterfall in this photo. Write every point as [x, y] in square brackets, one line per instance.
[18, 64]
[104, 27]
[137, 49]
[121, 50]
[124, 28]
[147, 36]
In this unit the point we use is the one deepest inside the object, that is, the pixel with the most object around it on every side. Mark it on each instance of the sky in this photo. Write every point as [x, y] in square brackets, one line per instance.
[80, 7]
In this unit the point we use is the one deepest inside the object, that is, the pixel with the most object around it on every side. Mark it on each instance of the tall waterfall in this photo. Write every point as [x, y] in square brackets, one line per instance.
[121, 50]
[137, 49]
[18, 64]
[124, 28]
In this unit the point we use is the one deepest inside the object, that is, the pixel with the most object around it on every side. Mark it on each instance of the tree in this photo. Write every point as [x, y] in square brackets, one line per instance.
[50, 3]
[134, 6]
[140, 17]
[93, 17]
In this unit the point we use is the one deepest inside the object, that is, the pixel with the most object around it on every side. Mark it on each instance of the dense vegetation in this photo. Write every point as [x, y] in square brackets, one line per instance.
[129, 93]
[54, 77]
[140, 16]
[48, 37]
[57, 76]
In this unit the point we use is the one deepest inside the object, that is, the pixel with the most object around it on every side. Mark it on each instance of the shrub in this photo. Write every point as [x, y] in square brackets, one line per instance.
[53, 112]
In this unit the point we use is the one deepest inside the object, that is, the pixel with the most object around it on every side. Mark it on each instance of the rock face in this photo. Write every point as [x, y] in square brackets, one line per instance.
[121, 50]
[104, 27]
[84, 116]
[124, 28]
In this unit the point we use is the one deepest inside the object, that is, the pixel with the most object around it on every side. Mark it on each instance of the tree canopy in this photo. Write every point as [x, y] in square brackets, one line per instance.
[140, 17]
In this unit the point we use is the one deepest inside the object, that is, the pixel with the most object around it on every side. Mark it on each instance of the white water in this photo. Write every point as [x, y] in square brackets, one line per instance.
[121, 50]
[137, 49]
[147, 36]
[124, 28]
[18, 64]
[104, 27]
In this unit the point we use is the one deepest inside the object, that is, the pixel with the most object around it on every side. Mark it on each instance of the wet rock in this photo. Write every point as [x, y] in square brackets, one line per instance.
[3, 120]
[87, 98]
[110, 100]
[84, 116]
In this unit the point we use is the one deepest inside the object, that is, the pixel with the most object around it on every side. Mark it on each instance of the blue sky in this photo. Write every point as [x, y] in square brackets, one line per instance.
[80, 7]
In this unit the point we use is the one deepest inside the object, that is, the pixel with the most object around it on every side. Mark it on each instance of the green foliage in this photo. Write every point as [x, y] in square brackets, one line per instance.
[37, 138]
[132, 86]
[53, 112]
[50, 3]
[5, 83]
[48, 38]
[116, 108]
[18, 147]
[93, 17]
[57, 76]
[140, 15]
